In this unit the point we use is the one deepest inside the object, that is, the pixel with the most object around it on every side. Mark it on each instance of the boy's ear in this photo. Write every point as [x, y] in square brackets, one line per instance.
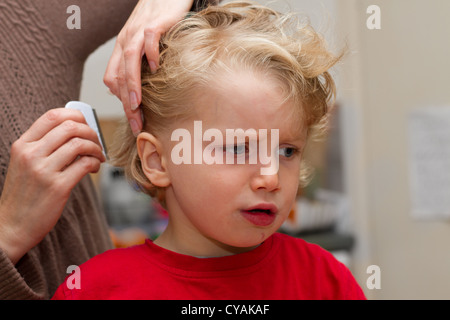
[152, 160]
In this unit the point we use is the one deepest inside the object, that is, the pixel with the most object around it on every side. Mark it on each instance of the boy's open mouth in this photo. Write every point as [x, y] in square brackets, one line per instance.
[267, 208]
[261, 215]
[259, 210]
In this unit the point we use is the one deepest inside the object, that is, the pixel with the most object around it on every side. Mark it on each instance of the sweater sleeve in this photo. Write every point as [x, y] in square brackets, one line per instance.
[13, 285]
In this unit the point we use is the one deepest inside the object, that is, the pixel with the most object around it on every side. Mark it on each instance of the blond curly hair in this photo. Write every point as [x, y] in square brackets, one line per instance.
[235, 36]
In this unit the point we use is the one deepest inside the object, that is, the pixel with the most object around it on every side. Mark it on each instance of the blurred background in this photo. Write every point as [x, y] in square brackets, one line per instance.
[381, 193]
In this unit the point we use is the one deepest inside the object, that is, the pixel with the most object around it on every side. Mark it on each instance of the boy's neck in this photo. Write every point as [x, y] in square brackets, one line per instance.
[195, 247]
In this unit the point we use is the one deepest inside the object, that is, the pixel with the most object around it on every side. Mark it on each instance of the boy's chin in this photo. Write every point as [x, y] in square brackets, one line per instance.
[249, 243]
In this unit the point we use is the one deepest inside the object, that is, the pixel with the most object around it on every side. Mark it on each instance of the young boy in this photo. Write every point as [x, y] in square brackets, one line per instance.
[226, 118]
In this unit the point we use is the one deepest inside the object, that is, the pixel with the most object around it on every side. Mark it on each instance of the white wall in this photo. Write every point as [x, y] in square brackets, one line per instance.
[93, 90]
[388, 74]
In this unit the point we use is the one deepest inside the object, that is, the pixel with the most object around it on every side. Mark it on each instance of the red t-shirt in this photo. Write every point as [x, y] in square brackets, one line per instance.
[282, 267]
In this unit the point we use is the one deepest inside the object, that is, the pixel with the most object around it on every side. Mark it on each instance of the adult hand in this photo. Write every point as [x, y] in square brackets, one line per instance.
[46, 163]
[140, 35]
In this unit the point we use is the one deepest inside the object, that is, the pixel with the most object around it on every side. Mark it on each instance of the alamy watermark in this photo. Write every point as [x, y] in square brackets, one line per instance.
[373, 22]
[74, 20]
[374, 280]
[239, 146]
[74, 280]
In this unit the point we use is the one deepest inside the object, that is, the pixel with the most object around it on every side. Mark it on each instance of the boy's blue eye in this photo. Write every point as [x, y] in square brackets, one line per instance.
[287, 152]
[236, 149]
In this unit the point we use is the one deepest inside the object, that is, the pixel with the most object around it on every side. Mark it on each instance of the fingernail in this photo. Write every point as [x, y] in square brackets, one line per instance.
[153, 67]
[133, 101]
[134, 127]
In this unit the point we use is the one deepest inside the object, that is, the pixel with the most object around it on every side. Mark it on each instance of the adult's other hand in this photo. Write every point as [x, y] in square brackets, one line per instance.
[140, 35]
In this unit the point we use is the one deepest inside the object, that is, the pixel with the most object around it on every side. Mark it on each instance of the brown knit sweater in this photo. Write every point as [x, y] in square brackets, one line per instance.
[41, 63]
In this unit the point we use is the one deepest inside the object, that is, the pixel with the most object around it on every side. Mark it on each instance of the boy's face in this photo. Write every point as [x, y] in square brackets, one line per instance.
[209, 204]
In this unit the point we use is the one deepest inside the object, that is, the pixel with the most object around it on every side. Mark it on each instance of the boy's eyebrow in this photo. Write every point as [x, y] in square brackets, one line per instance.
[247, 133]
[297, 136]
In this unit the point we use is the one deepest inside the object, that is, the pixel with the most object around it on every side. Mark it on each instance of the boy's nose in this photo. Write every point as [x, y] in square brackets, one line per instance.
[269, 183]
